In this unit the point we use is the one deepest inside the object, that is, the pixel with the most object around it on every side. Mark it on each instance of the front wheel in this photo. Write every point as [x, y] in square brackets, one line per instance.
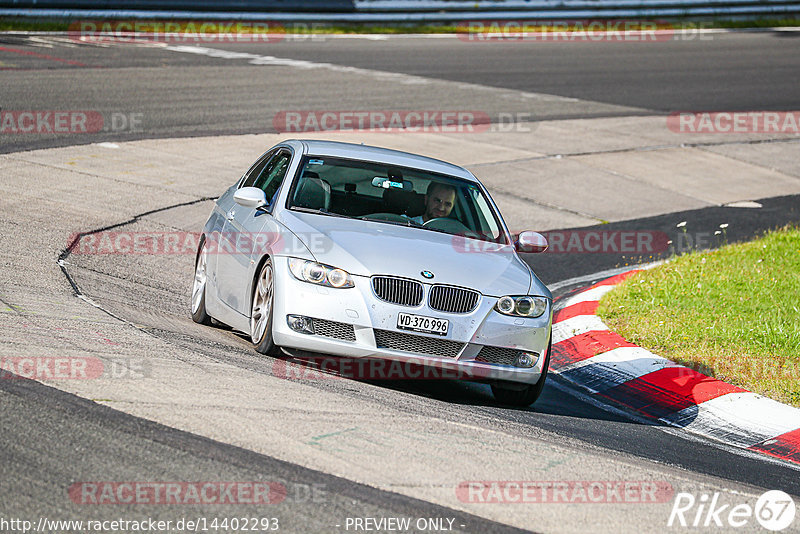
[199, 314]
[526, 395]
[261, 310]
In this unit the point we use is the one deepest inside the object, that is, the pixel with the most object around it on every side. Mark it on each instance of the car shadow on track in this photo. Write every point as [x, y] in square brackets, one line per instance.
[552, 403]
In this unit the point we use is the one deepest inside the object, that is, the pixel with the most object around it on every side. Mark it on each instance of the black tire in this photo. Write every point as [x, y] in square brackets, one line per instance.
[198, 306]
[527, 395]
[261, 310]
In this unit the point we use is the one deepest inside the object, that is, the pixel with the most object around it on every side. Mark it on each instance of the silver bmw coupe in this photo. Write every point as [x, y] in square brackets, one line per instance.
[363, 252]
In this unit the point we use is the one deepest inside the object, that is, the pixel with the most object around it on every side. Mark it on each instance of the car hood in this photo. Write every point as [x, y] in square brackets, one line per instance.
[368, 248]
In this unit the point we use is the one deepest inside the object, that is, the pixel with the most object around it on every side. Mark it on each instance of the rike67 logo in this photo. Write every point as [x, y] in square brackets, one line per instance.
[774, 510]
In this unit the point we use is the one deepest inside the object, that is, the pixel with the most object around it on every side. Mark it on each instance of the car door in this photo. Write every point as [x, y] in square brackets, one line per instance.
[247, 230]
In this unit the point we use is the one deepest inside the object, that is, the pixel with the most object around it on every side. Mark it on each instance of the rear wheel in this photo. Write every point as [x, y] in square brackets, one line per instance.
[261, 310]
[525, 396]
[199, 314]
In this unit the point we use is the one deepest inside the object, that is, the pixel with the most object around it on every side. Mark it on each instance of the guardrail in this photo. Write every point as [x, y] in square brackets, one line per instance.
[442, 10]
[419, 11]
[288, 6]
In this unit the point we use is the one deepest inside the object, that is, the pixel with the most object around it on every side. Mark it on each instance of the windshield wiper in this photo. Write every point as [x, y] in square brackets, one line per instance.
[318, 211]
[398, 223]
[309, 210]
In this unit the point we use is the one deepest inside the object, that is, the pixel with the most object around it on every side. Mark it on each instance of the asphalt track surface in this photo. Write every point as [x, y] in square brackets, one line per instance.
[179, 94]
[46, 433]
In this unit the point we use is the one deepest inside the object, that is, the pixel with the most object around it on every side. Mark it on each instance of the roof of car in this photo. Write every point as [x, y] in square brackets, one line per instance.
[382, 155]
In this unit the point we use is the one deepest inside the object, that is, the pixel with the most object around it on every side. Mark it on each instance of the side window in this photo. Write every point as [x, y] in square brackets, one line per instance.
[255, 170]
[271, 176]
[488, 224]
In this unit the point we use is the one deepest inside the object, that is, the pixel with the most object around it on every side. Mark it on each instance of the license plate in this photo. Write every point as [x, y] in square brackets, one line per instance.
[420, 323]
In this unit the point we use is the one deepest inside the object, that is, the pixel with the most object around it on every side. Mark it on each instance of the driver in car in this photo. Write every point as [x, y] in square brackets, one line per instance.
[439, 201]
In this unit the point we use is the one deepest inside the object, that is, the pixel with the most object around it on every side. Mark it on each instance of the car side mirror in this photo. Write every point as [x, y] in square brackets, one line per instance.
[532, 242]
[251, 197]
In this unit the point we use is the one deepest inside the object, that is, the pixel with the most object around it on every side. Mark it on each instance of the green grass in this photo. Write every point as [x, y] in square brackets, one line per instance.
[731, 313]
[26, 25]
[62, 25]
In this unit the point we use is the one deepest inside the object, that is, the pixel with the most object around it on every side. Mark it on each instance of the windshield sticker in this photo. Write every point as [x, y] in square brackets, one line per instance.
[316, 162]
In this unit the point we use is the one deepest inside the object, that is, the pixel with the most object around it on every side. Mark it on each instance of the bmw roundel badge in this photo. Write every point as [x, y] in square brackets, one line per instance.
[427, 274]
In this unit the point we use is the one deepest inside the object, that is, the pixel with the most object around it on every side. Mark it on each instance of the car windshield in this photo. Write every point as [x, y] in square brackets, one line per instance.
[395, 195]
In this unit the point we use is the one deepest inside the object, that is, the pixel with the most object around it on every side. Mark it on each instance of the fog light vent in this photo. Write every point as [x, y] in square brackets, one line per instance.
[526, 359]
[300, 323]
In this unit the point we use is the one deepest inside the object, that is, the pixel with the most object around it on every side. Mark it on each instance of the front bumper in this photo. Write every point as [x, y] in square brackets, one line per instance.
[355, 323]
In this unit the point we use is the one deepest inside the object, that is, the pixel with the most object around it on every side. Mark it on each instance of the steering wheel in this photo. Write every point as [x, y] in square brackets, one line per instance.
[451, 226]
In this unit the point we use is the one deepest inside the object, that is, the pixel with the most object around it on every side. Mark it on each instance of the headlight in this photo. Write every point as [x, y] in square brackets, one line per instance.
[320, 274]
[523, 306]
[338, 278]
[506, 305]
